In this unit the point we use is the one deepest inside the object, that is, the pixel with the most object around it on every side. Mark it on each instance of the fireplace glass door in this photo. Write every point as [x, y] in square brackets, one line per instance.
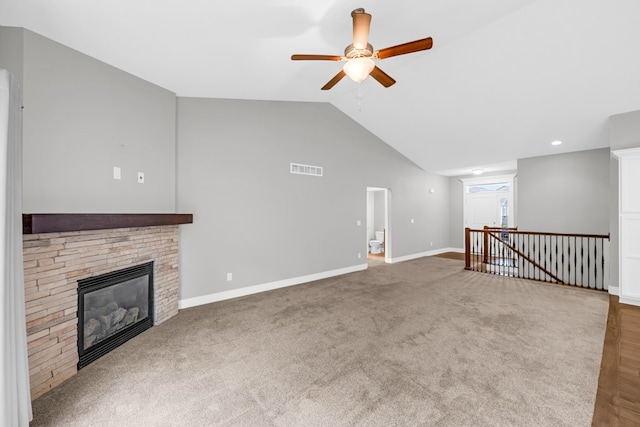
[113, 308]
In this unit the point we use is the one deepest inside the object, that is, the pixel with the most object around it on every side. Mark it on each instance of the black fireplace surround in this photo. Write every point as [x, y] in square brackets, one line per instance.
[113, 308]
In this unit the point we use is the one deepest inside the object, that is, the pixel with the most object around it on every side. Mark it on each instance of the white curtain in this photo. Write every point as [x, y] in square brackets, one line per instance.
[15, 397]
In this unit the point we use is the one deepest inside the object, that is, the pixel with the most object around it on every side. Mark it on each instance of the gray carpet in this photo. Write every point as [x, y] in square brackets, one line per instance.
[421, 342]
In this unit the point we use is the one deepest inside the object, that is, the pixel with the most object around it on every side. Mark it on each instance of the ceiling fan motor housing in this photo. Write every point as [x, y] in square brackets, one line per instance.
[352, 52]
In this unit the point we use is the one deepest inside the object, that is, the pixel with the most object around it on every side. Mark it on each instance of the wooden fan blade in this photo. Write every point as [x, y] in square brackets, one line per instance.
[361, 24]
[383, 78]
[401, 49]
[331, 83]
[304, 57]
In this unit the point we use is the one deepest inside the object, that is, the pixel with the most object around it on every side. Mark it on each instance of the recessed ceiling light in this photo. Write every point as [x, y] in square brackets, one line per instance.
[556, 142]
[477, 171]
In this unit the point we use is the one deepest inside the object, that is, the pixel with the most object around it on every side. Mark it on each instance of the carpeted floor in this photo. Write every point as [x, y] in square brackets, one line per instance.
[421, 342]
[452, 255]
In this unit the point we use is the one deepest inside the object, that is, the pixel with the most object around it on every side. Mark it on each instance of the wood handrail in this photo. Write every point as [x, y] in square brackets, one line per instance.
[541, 233]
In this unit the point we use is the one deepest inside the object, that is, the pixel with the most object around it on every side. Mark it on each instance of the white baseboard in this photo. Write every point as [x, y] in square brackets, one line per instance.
[614, 290]
[458, 250]
[249, 290]
[423, 254]
[630, 300]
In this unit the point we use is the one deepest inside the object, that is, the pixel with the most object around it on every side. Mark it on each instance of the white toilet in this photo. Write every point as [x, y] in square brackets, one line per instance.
[376, 246]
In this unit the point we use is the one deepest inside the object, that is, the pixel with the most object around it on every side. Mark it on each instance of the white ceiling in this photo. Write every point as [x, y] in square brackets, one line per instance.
[503, 80]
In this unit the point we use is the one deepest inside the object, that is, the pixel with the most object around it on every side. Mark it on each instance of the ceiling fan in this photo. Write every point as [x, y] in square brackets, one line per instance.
[359, 56]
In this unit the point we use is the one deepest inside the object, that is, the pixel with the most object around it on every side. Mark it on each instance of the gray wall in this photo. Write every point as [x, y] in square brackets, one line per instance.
[261, 223]
[229, 166]
[456, 212]
[456, 206]
[625, 130]
[614, 251]
[11, 48]
[565, 193]
[83, 117]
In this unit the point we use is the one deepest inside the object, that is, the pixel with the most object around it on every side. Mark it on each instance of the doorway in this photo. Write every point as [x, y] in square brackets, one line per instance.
[378, 221]
[488, 201]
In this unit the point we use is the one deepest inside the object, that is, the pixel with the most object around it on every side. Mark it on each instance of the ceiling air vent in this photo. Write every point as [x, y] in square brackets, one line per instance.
[299, 169]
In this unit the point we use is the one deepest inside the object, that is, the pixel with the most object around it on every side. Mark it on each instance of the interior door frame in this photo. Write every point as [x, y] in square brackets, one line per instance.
[491, 179]
[387, 222]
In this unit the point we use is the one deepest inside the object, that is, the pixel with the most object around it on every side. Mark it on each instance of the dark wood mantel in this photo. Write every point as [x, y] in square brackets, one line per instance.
[56, 223]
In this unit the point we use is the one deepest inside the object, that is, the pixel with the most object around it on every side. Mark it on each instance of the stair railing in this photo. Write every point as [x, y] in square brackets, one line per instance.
[571, 259]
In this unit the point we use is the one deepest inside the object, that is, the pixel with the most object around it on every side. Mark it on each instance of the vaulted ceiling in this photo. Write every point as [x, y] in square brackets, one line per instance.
[504, 79]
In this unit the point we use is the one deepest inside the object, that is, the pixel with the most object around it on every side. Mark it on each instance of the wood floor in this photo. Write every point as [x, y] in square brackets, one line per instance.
[618, 398]
[380, 255]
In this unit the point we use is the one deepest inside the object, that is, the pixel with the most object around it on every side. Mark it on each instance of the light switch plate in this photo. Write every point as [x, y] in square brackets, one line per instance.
[140, 177]
[116, 173]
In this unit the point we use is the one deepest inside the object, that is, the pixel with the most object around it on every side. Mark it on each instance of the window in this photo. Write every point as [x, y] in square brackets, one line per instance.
[487, 188]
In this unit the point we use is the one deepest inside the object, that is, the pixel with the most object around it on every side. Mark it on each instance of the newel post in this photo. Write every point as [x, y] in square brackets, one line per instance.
[485, 247]
[467, 248]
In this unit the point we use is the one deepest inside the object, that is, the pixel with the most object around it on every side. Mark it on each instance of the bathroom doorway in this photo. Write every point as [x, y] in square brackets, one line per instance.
[378, 233]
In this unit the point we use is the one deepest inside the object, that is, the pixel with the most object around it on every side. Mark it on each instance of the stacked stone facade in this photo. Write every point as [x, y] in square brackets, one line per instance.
[53, 264]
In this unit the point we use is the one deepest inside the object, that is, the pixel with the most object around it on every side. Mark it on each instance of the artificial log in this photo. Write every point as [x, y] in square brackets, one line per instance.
[104, 325]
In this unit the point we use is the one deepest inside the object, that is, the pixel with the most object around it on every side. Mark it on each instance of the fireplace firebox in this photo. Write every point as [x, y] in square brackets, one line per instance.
[113, 308]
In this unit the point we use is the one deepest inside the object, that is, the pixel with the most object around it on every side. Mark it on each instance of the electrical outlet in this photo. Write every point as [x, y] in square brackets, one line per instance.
[411, 220]
[359, 255]
[431, 243]
[116, 173]
[140, 177]
[229, 277]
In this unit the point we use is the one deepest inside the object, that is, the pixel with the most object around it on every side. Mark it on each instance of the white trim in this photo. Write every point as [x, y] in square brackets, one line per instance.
[628, 212]
[424, 254]
[458, 250]
[630, 300]
[249, 290]
[387, 224]
[489, 179]
[625, 152]
[614, 290]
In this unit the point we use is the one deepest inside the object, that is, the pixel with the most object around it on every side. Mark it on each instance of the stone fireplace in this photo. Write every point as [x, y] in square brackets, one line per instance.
[61, 250]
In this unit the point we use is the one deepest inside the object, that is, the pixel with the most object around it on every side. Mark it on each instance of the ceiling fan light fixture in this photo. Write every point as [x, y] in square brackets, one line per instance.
[358, 68]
